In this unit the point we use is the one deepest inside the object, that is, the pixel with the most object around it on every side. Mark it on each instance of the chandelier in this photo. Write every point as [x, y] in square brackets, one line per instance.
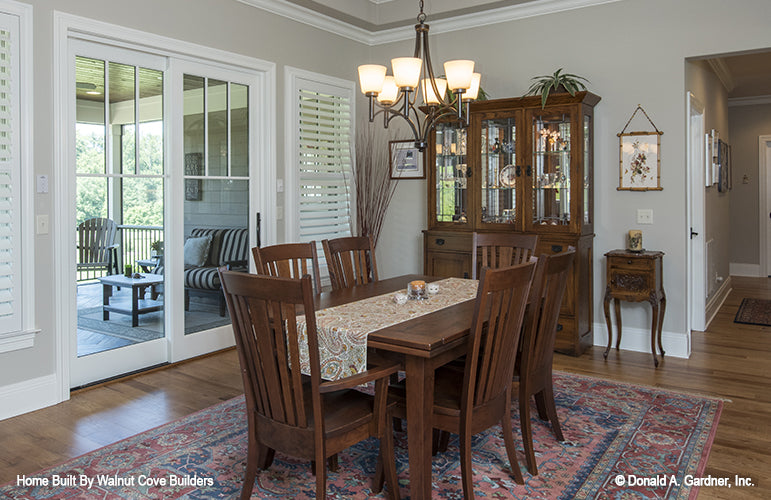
[396, 96]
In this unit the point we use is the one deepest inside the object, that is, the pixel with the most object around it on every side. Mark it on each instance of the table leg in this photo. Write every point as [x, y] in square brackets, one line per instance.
[606, 305]
[106, 292]
[654, 329]
[617, 308]
[420, 403]
[661, 320]
[135, 306]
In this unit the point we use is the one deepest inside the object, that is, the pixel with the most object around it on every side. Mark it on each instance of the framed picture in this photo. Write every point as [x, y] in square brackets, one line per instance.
[724, 167]
[639, 161]
[708, 176]
[406, 160]
[193, 166]
[715, 155]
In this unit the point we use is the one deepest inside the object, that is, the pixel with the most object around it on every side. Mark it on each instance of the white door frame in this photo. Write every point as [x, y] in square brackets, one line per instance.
[68, 26]
[764, 197]
[695, 172]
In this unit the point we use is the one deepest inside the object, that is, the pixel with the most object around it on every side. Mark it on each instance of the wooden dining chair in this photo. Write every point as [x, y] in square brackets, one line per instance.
[533, 373]
[478, 397]
[308, 420]
[500, 250]
[289, 260]
[351, 261]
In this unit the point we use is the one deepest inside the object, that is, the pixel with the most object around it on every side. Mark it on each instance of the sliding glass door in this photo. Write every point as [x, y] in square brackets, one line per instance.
[212, 140]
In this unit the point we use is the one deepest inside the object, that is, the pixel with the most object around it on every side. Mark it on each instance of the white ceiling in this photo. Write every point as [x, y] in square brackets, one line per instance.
[745, 75]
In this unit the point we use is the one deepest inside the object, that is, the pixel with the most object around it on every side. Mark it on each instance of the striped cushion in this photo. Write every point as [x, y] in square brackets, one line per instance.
[234, 246]
[205, 278]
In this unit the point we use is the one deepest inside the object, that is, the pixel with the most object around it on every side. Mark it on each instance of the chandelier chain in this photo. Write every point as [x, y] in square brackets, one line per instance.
[422, 15]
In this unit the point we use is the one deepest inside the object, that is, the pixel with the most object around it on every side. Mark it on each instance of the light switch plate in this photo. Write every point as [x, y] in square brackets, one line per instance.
[41, 223]
[645, 216]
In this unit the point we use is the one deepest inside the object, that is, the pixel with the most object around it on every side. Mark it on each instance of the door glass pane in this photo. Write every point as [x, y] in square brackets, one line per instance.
[122, 116]
[123, 213]
[150, 121]
[551, 158]
[451, 174]
[239, 130]
[217, 123]
[89, 105]
[500, 173]
[216, 210]
[193, 122]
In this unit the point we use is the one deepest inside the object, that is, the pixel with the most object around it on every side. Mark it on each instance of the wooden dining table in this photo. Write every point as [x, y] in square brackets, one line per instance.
[424, 343]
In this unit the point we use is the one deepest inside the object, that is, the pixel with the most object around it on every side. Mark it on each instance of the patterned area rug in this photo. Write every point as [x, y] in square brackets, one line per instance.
[754, 312]
[612, 431]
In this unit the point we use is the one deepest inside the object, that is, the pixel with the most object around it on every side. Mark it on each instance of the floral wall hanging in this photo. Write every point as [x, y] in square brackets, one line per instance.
[639, 158]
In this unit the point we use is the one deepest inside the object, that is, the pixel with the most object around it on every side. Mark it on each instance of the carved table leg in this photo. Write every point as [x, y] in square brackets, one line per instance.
[661, 320]
[617, 308]
[654, 328]
[606, 304]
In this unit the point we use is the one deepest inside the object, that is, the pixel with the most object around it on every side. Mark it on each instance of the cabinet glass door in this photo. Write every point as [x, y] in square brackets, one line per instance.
[551, 163]
[500, 172]
[452, 174]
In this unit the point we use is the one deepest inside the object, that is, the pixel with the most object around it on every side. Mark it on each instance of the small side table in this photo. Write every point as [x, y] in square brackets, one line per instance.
[635, 277]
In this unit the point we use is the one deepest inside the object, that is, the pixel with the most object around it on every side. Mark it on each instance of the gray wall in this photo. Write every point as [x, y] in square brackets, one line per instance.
[747, 123]
[633, 52]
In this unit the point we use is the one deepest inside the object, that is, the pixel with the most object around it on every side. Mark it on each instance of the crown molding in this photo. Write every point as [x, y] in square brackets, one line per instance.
[467, 21]
[749, 101]
[720, 68]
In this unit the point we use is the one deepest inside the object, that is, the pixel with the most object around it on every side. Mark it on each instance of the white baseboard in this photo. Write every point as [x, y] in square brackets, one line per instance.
[676, 344]
[27, 396]
[714, 304]
[750, 270]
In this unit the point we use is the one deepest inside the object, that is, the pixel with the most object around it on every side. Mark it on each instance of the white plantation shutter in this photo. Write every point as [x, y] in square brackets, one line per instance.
[10, 206]
[325, 131]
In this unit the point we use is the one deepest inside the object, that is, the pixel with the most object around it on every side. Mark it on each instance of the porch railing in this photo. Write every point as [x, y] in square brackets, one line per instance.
[134, 244]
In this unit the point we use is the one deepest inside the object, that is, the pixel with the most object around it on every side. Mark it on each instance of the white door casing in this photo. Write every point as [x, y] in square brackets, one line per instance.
[695, 173]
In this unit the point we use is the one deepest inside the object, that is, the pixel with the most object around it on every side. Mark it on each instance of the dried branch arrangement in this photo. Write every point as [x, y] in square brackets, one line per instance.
[372, 181]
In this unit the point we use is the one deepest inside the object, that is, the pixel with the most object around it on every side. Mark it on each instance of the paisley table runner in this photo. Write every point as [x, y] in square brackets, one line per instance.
[342, 330]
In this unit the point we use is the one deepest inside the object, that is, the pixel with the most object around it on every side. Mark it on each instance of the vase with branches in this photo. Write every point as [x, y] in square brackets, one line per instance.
[372, 181]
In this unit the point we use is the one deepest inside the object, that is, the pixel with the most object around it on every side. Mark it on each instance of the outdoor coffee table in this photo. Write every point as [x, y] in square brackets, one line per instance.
[138, 305]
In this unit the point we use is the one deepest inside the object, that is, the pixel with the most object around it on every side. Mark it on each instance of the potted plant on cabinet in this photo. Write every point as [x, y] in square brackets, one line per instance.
[557, 82]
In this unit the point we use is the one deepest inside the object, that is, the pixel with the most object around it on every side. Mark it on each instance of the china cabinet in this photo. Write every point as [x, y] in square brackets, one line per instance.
[518, 167]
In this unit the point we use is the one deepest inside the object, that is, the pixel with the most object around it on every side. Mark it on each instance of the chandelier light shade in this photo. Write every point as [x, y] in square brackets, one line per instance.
[406, 71]
[390, 91]
[459, 74]
[473, 91]
[429, 97]
[396, 96]
[371, 78]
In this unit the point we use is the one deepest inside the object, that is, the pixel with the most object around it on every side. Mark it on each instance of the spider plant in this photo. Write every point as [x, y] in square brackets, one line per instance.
[543, 85]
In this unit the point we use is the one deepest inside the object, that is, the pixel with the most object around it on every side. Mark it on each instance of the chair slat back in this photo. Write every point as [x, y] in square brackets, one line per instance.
[495, 332]
[496, 250]
[290, 260]
[95, 239]
[351, 261]
[544, 305]
[263, 310]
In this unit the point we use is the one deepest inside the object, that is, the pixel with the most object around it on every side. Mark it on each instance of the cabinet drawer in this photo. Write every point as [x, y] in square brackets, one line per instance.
[448, 242]
[632, 282]
[630, 264]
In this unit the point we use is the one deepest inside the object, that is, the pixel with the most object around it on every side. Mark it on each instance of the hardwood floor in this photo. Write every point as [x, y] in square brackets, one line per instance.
[729, 361]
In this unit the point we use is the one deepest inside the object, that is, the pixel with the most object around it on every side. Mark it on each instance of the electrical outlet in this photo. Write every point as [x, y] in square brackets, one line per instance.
[645, 216]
